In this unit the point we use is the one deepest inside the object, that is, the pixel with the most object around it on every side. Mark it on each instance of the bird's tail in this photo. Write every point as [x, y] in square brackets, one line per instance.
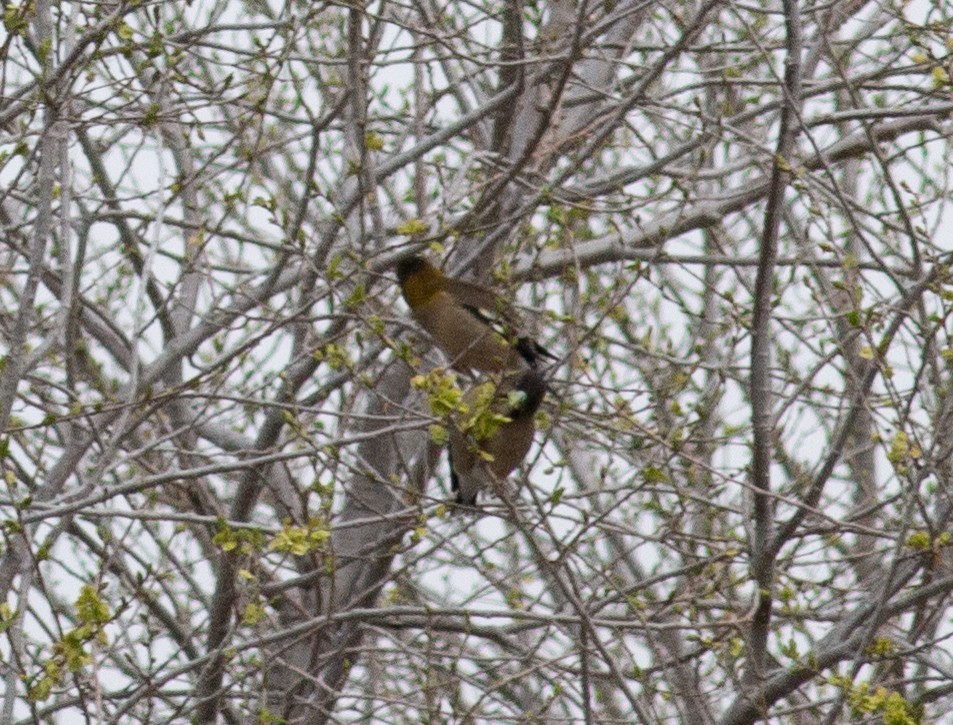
[531, 351]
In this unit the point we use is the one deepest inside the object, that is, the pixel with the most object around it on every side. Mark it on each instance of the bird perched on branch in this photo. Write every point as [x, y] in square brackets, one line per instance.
[492, 441]
[474, 327]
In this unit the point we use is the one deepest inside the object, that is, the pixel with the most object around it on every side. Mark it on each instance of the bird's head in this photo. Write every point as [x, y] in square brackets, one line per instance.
[419, 280]
[411, 266]
[531, 386]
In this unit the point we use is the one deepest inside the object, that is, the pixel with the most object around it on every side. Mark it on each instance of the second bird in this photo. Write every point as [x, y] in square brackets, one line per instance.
[479, 465]
[460, 318]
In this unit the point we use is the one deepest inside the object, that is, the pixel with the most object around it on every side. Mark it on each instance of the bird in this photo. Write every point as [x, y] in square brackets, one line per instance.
[481, 463]
[459, 317]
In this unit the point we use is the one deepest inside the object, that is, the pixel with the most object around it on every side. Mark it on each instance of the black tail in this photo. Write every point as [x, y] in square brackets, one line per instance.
[531, 351]
[455, 484]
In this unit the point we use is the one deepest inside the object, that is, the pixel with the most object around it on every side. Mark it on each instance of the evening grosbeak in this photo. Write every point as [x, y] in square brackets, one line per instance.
[482, 463]
[472, 325]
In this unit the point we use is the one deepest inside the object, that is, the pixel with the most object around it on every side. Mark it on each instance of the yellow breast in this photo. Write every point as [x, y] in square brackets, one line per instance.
[420, 289]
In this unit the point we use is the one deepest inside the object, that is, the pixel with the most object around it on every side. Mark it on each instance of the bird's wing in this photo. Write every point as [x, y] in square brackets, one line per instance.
[488, 306]
[470, 293]
[493, 310]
